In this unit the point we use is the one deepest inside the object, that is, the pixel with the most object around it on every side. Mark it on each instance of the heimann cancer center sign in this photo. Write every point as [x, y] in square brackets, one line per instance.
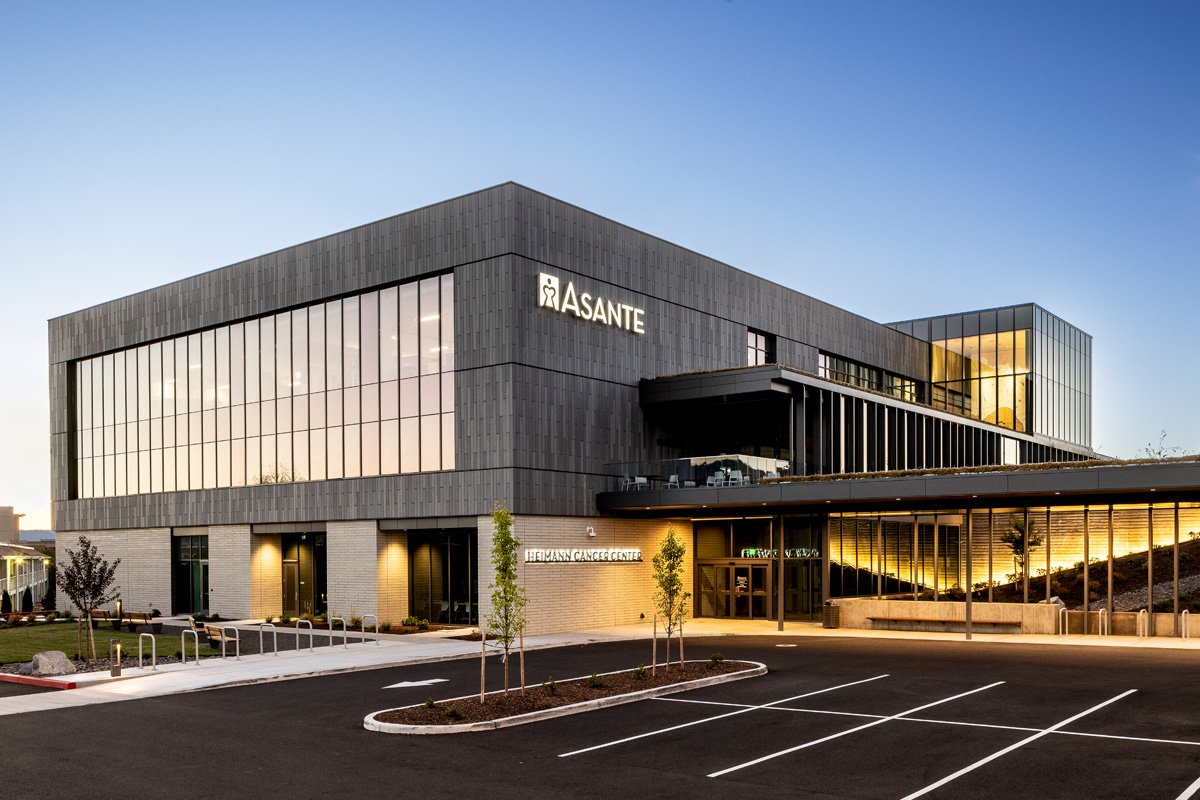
[587, 555]
[583, 305]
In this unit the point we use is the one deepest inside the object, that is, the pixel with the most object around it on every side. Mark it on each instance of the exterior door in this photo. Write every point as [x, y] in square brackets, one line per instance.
[735, 590]
[291, 588]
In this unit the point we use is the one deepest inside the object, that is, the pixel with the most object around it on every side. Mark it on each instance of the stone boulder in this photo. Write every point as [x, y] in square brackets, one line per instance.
[51, 662]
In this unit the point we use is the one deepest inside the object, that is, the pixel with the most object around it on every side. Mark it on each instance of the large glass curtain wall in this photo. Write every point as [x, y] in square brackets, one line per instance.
[984, 377]
[1020, 555]
[358, 386]
[1062, 389]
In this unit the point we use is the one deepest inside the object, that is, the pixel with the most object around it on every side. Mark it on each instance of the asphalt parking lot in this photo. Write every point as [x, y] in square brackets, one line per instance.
[833, 718]
[9, 689]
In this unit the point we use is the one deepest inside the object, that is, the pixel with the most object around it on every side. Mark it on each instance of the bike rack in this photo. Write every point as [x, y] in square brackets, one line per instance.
[1063, 621]
[299, 623]
[1183, 624]
[1103, 622]
[345, 640]
[1143, 624]
[274, 637]
[364, 627]
[183, 644]
[237, 641]
[153, 650]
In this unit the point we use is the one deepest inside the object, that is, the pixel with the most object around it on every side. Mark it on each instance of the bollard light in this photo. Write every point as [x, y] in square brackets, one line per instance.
[114, 654]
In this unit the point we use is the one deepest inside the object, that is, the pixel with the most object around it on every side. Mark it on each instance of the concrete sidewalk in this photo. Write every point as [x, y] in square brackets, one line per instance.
[395, 650]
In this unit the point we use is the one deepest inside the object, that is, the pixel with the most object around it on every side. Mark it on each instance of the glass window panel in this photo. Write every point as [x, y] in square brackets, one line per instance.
[238, 462]
[222, 424]
[410, 444]
[283, 415]
[333, 345]
[144, 483]
[170, 427]
[222, 464]
[431, 391]
[300, 468]
[447, 309]
[97, 394]
[369, 337]
[389, 447]
[316, 348]
[316, 410]
[266, 358]
[237, 365]
[370, 402]
[195, 367]
[284, 468]
[350, 345]
[351, 406]
[447, 391]
[253, 460]
[1004, 402]
[389, 343]
[131, 386]
[143, 378]
[987, 355]
[221, 338]
[333, 452]
[195, 428]
[267, 411]
[118, 390]
[409, 327]
[409, 397]
[430, 327]
[300, 351]
[283, 355]
[182, 478]
[269, 464]
[207, 370]
[208, 453]
[253, 355]
[351, 455]
[118, 438]
[119, 474]
[168, 470]
[1004, 353]
[431, 443]
[209, 422]
[316, 458]
[1020, 409]
[370, 448]
[447, 441]
[334, 408]
[987, 400]
[389, 400]
[970, 357]
[300, 413]
[108, 392]
[254, 419]
[237, 422]
[181, 378]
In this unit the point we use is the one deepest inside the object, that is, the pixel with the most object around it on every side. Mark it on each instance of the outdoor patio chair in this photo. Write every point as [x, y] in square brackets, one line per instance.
[641, 482]
[672, 482]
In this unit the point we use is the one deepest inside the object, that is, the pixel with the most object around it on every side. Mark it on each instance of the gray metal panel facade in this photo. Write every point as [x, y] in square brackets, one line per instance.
[543, 400]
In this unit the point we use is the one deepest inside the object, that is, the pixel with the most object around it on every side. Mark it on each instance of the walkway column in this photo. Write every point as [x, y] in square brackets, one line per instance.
[968, 581]
[1150, 569]
[782, 554]
[1175, 572]
[1087, 590]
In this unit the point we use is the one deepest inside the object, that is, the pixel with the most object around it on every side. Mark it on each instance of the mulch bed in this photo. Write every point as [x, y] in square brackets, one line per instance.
[537, 698]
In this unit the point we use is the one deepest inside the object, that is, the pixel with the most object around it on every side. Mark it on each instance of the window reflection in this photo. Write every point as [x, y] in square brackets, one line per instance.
[263, 400]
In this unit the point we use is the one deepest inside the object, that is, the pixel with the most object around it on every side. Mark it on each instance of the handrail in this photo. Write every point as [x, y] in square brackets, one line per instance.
[183, 644]
[1063, 622]
[153, 650]
[1143, 624]
[237, 641]
[1184, 618]
[1103, 622]
[345, 635]
[366, 617]
[300, 622]
[274, 637]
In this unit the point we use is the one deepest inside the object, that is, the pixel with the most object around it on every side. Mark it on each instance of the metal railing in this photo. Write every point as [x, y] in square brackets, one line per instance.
[299, 623]
[1103, 622]
[1063, 622]
[183, 645]
[364, 627]
[1143, 624]
[345, 635]
[237, 642]
[1184, 619]
[729, 469]
[153, 650]
[274, 638]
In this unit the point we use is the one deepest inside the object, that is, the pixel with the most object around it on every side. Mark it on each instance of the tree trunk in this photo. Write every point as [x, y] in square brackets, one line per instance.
[667, 662]
[506, 669]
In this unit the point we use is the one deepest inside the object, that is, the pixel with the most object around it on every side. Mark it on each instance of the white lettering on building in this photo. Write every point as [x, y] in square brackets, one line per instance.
[552, 295]
[592, 555]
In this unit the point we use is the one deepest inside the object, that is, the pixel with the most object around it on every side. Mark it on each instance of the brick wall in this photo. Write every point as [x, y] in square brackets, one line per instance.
[565, 596]
[144, 575]
[266, 576]
[229, 571]
[392, 575]
[351, 558]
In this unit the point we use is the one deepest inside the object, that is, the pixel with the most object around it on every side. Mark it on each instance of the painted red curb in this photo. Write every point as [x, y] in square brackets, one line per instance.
[28, 680]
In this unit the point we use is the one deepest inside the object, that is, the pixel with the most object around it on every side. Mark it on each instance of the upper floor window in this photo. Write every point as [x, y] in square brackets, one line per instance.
[760, 348]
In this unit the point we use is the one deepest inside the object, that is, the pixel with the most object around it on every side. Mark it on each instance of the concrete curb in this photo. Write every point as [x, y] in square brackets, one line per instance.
[371, 722]
[29, 680]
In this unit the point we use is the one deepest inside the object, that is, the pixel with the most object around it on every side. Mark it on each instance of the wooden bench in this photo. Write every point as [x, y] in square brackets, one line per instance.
[135, 618]
[958, 623]
[216, 635]
[104, 615]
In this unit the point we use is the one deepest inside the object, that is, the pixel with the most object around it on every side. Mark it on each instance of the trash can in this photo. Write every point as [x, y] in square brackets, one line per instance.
[831, 615]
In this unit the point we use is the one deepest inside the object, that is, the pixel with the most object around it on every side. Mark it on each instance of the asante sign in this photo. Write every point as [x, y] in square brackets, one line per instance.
[587, 555]
[791, 552]
[552, 295]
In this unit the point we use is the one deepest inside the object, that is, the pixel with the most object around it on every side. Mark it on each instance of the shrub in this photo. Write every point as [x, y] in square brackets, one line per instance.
[639, 672]
[595, 681]
[409, 622]
[423, 625]
[453, 713]
[429, 702]
[385, 627]
[356, 622]
[550, 686]
[285, 619]
[714, 660]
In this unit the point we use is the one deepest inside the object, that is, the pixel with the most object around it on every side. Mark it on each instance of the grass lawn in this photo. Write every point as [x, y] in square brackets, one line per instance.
[21, 643]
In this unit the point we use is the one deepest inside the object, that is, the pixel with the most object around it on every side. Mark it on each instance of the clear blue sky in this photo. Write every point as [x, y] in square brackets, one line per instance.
[896, 159]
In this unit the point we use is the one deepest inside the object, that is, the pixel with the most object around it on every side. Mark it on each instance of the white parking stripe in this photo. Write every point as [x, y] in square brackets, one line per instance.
[1190, 791]
[831, 737]
[1015, 746]
[719, 716]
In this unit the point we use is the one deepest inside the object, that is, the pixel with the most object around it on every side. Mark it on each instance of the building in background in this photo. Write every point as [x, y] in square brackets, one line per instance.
[10, 525]
[328, 427]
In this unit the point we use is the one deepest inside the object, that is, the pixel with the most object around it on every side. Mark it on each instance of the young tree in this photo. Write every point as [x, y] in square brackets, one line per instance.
[87, 581]
[669, 598]
[506, 620]
[1015, 538]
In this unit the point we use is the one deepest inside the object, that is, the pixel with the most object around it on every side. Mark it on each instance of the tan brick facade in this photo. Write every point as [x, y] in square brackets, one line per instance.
[229, 572]
[266, 576]
[565, 596]
[144, 575]
[353, 574]
[392, 576]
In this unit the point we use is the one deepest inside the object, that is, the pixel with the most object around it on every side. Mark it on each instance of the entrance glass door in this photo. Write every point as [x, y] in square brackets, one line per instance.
[736, 590]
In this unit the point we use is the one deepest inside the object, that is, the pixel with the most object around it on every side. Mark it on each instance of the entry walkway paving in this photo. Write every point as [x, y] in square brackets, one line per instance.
[394, 650]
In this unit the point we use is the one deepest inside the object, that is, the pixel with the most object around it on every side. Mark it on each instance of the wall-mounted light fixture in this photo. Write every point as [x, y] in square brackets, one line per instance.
[591, 531]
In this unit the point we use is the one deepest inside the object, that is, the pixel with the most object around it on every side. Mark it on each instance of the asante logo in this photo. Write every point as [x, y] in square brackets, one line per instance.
[583, 305]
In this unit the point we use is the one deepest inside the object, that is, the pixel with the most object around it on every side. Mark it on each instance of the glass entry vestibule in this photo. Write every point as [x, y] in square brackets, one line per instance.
[444, 576]
[304, 574]
[737, 567]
